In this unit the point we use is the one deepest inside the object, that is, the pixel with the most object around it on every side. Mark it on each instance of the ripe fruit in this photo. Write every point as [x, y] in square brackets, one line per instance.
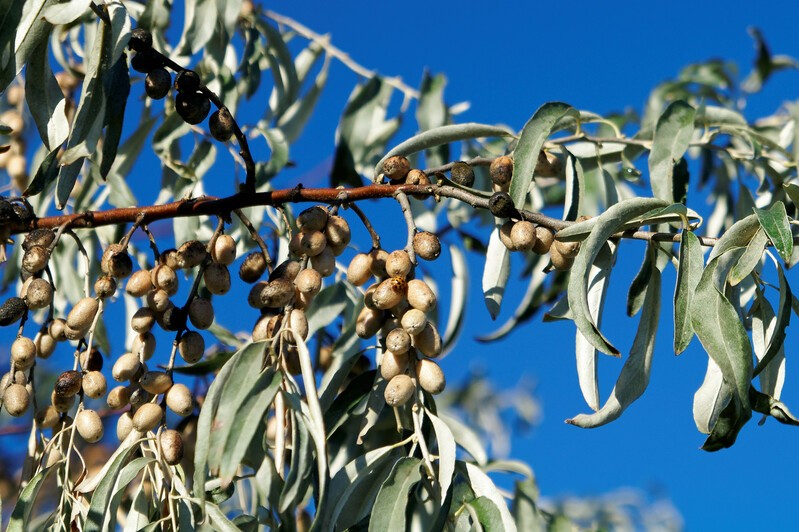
[308, 281]
[312, 219]
[38, 237]
[164, 278]
[142, 320]
[191, 347]
[104, 287]
[201, 313]
[35, 259]
[179, 400]
[118, 397]
[38, 294]
[413, 321]
[224, 250]
[543, 239]
[399, 390]
[396, 167]
[428, 342]
[140, 40]
[189, 255]
[360, 269]
[187, 81]
[398, 341]
[126, 367]
[393, 364]
[155, 382]
[45, 345]
[171, 447]
[368, 323]
[192, 107]
[217, 278]
[337, 233]
[417, 177]
[94, 384]
[501, 205]
[378, 265]
[568, 249]
[288, 269]
[116, 262]
[124, 425]
[147, 417]
[389, 293]
[426, 245]
[89, 425]
[253, 267]
[430, 376]
[174, 319]
[221, 124]
[504, 235]
[462, 174]
[81, 316]
[16, 399]
[548, 165]
[46, 417]
[145, 61]
[62, 403]
[501, 171]
[312, 243]
[23, 353]
[12, 311]
[398, 263]
[157, 83]
[140, 284]
[325, 262]
[559, 262]
[522, 235]
[420, 296]
[143, 345]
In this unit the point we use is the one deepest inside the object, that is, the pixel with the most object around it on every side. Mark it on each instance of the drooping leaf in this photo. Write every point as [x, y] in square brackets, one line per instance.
[777, 339]
[750, 258]
[108, 507]
[531, 140]
[767, 405]
[446, 454]
[45, 99]
[711, 398]
[575, 187]
[117, 88]
[637, 290]
[391, 503]
[432, 112]
[764, 325]
[672, 135]
[483, 486]
[776, 225]
[104, 491]
[688, 275]
[457, 307]
[495, 273]
[21, 514]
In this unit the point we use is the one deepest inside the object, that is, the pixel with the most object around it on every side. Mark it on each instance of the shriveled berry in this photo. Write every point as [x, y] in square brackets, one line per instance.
[399, 390]
[463, 174]
[277, 293]
[35, 259]
[288, 270]
[221, 124]
[426, 245]
[157, 83]
[12, 311]
[116, 262]
[396, 167]
[38, 237]
[501, 205]
[105, 286]
[548, 165]
[39, 294]
[140, 40]
[91, 360]
[417, 177]
[501, 171]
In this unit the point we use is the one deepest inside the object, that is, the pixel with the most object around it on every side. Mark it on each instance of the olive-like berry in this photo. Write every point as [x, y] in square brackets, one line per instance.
[16, 399]
[124, 425]
[277, 293]
[224, 250]
[91, 360]
[501, 171]
[46, 417]
[126, 367]
[116, 262]
[413, 321]
[81, 316]
[192, 107]
[201, 313]
[140, 40]
[398, 263]
[312, 219]
[38, 237]
[35, 259]
[337, 233]
[522, 235]
[67, 384]
[155, 382]
[157, 83]
[165, 278]
[501, 205]
[179, 400]
[191, 347]
[428, 342]
[308, 281]
[171, 447]
[463, 174]
[105, 286]
[543, 239]
[89, 425]
[174, 319]
[187, 81]
[426, 245]
[45, 345]
[325, 262]
[253, 267]
[567, 249]
[420, 296]
[39, 294]
[189, 255]
[360, 269]
[369, 322]
[143, 345]
[399, 390]
[559, 261]
[118, 397]
[12, 311]
[142, 320]
[221, 125]
[146, 61]
[140, 284]
[94, 384]
[393, 364]
[313, 243]
[548, 165]
[62, 403]
[158, 300]
[217, 278]
[430, 376]
[417, 177]
[147, 417]
[23, 353]
[389, 293]
[398, 341]
[396, 167]
[378, 266]
[504, 235]
[56, 329]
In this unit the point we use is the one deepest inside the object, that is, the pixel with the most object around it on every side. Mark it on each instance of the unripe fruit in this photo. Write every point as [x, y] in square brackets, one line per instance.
[118, 397]
[56, 329]
[414, 321]
[126, 367]
[35, 259]
[522, 235]
[62, 403]
[12, 311]
[16, 399]
[105, 286]
[71, 333]
[400, 390]
[559, 262]
[393, 364]
[89, 425]
[324, 262]
[45, 345]
[543, 239]
[368, 323]
[140, 284]
[308, 281]
[389, 293]
[124, 425]
[147, 417]
[224, 250]
[38, 294]
[158, 300]
[312, 219]
[189, 255]
[171, 447]
[221, 124]
[417, 177]
[144, 345]
[359, 270]
[191, 347]
[548, 165]
[396, 168]
[94, 384]
[201, 313]
[142, 320]
[462, 174]
[504, 235]
[179, 400]
[192, 107]
[430, 376]
[567, 249]
[165, 278]
[19, 378]
[155, 382]
[253, 267]
[187, 81]
[157, 83]
[428, 342]
[337, 232]
[91, 360]
[277, 293]
[426, 245]
[23, 353]
[398, 264]
[398, 341]
[420, 296]
[501, 205]
[67, 384]
[501, 171]
[116, 262]
[46, 417]
[313, 243]
[378, 266]
[217, 279]
[81, 316]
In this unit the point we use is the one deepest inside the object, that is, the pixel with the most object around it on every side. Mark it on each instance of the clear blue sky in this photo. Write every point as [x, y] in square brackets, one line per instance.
[507, 58]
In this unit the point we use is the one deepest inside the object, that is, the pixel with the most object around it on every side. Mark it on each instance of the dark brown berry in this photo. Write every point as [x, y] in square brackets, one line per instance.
[501, 170]
[253, 267]
[67, 384]
[221, 125]
[462, 174]
[396, 167]
[140, 40]
[501, 205]
[146, 61]
[157, 83]
[187, 81]
[12, 311]
[174, 319]
[38, 237]
[192, 107]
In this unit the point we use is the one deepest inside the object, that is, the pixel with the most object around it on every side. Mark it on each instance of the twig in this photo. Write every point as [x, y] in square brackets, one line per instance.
[402, 199]
[100, 12]
[254, 234]
[367, 224]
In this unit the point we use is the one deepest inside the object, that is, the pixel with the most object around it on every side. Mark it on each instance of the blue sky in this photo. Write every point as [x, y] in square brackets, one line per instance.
[507, 58]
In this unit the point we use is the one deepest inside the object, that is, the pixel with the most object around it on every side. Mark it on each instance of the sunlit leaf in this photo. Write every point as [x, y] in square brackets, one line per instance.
[495, 273]
[776, 225]
[672, 135]
[391, 503]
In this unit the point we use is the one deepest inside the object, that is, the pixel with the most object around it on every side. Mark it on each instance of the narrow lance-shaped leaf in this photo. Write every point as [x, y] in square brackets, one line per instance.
[711, 398]
[776, 225]
[777, 339]
[45, 99]
[750, 258]
[690, 271]
[460, 291]
[672, 135]
[391, 503]
[483, 486]
[764, 325]
[531, 140]
[432, 112]
[446, 454]
[20, 516]
[575, 187]
[634, 376]
[496, 273]
[605, 226]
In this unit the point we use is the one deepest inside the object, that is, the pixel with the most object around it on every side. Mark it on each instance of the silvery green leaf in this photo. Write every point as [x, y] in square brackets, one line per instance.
[605, 225]
[345, 351]
[198, 26]
[637, 290]
[108, 495]
[388, 512]
[219, 520]
[45, 175]
[575, 188]
[483, 486]
[446, 453]
[442, 135]
[764, 325]
[634, 376]
[672, 134]
[776, 225]
[531, 140]
[485, 515]
[750, 258]
[328, 305]
[117, 87]
[301, 466]
[777, 339]
[459, 294]
[689, 272]
[671, 213]
[738, 235]
[61, 13]
[495, 273]
[466, 438]
[770, 406]
[21, 514]
[45, 99]
[713, 115]
[432, 112]
[139, 514]
[296, 116]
